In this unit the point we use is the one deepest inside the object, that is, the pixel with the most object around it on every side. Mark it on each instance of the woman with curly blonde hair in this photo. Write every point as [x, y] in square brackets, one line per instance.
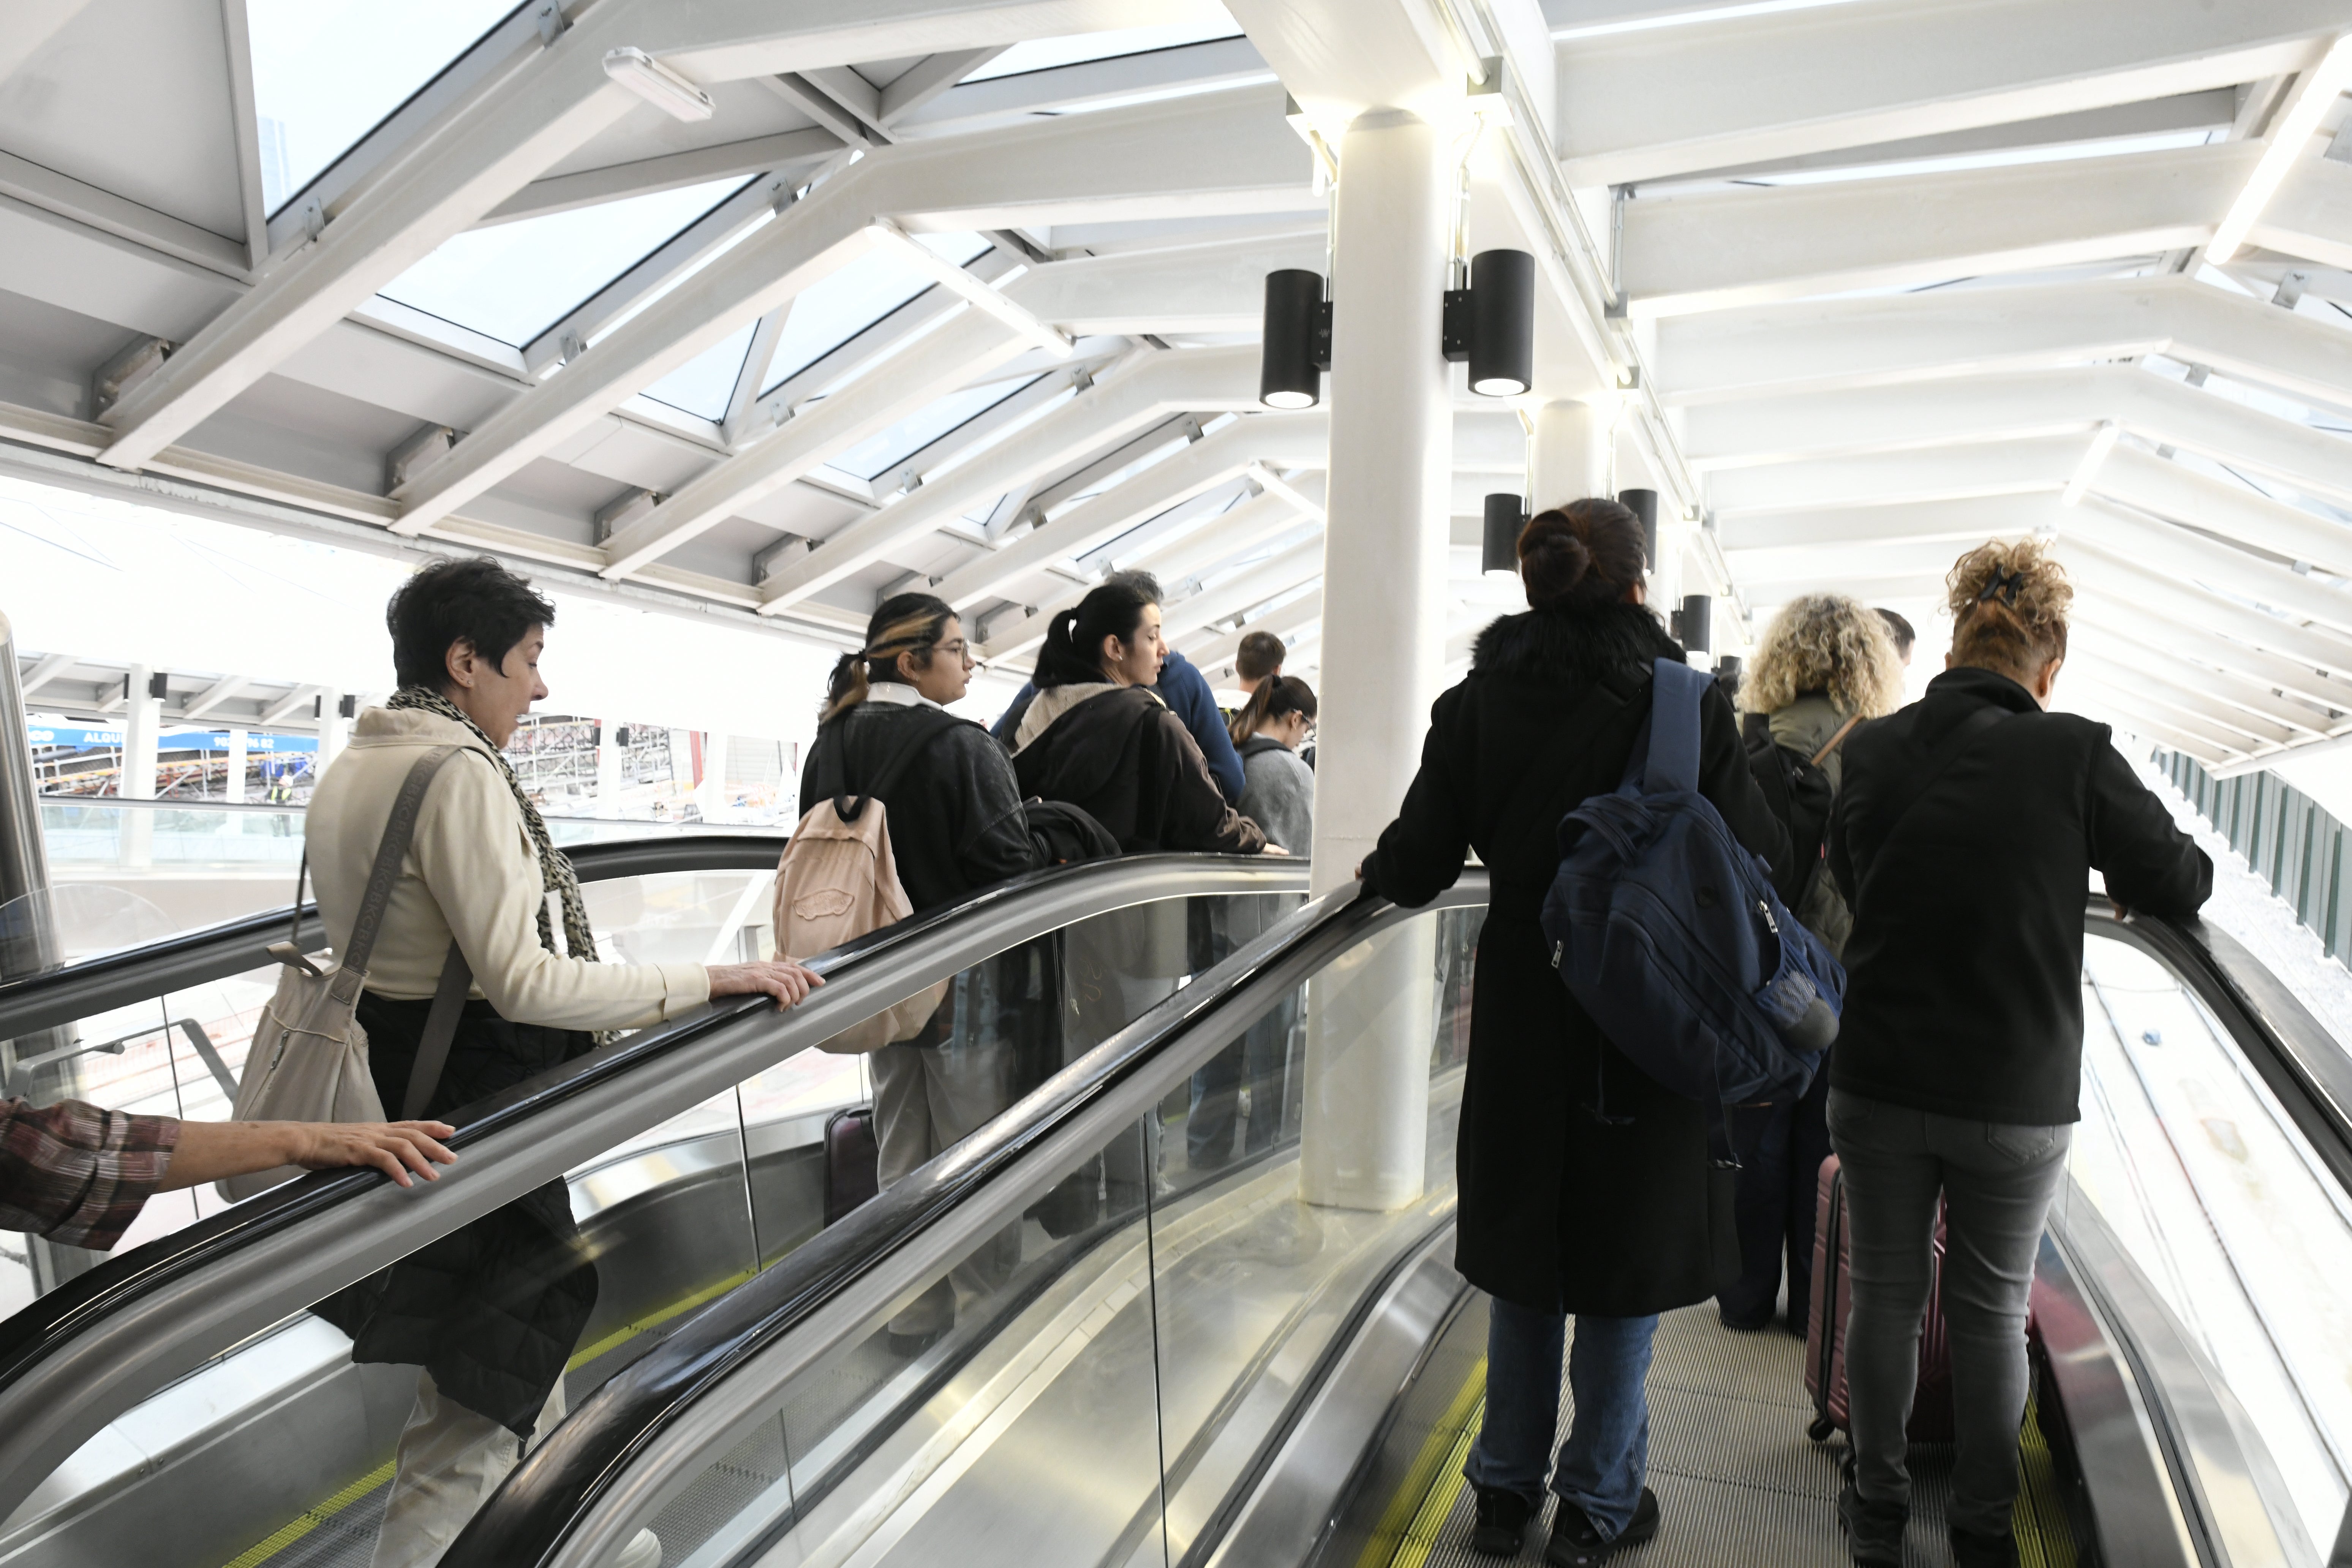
[1825, 663]
[1964, 834]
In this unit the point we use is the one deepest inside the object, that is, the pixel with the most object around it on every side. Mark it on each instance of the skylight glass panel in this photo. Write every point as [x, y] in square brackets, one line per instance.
[1044, 54]
[327, 72]
[830, 313]
[704, 385]
[514, 281]
[877, 455]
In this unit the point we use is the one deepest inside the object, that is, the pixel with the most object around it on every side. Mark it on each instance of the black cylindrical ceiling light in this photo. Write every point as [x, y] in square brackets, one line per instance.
[1506, 519]
[1643, 505]
[1296, 345]
[1698, 622]
[1502, 322]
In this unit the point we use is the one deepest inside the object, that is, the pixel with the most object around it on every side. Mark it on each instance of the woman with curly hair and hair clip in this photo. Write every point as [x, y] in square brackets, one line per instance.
[1965, 834]
[1825, 664]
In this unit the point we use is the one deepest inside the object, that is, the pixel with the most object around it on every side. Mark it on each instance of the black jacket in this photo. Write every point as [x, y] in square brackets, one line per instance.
[954, 812]
[1126, 758]
[1559, 1208]
[1965, 969]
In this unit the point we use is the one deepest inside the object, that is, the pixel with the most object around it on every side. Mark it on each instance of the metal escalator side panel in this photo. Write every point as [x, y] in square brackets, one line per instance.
[639, 1442]
[83, 1354]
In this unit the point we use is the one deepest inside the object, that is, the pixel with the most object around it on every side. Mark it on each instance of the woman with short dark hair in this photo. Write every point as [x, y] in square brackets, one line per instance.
[1586, 1189]
[491, 1310]
[1099, 737]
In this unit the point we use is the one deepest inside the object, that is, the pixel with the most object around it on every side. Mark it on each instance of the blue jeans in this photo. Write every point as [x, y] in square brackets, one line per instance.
[1601, 1466]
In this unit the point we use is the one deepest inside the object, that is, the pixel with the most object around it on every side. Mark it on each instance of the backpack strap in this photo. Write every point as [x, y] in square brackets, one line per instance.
[928, 725]
[1917, 782]
[1672, 764]
[1834, 742]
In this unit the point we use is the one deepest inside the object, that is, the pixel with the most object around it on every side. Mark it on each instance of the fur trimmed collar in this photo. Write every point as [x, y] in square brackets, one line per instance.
[1571, 647]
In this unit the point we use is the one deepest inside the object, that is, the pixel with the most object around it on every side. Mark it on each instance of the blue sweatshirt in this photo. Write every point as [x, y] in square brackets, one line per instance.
[1186, 691]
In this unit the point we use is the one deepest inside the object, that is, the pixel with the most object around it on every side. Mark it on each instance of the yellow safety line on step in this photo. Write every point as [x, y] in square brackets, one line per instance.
[636, 1326]
[1414, 1550]
[1442, 1455]
[2045, 1537]
[311, 1519]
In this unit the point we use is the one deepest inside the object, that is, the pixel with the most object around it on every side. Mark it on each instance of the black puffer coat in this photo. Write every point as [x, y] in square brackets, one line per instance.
[1562, 1210]
[494, 1309]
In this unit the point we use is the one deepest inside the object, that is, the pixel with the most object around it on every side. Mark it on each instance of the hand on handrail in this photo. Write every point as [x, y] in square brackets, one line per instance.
[780, 978]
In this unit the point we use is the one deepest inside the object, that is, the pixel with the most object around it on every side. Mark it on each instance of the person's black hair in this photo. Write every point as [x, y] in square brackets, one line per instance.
[1137, 578]
[469, 599]
[1900, 629]
[1580, 556]
[1260, 655]
[903, 623]
[1073, 652]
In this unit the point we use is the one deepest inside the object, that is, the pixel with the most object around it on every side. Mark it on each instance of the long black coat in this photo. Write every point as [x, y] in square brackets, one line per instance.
[1562, 1210]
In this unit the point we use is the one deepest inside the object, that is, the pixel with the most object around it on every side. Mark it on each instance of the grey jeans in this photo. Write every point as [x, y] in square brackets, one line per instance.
[1998, 1180]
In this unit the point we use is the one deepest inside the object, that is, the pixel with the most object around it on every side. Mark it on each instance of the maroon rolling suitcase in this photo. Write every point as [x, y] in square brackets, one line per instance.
[1825, 1320]
[853, 1161]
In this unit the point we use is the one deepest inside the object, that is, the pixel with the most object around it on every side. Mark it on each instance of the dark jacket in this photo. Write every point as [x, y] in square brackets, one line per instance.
[1127, 761]
[954, 811]
[1964, 974]
[494, 1309]
[1562, 1210]
[1186, 691]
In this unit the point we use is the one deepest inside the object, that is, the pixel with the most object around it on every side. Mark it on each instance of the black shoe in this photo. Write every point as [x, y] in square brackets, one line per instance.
[1873, 1530]
[1575, 1543]
[1744, 1325]
[1971, 1550]
[1502, 1527]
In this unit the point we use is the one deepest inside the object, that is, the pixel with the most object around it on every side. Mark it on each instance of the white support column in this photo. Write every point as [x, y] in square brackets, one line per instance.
[1572, 454]
[334, 730]
[1365, 1134]
[240, 748]
[142, 724]
[610, 755]
[712, 792]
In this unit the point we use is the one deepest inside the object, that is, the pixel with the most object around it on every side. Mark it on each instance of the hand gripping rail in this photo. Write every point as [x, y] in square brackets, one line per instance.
[642, 1438]
[82, 1354]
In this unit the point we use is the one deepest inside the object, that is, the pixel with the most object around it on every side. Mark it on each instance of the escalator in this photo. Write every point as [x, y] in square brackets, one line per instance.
[1158, 1353]
[175, 1403]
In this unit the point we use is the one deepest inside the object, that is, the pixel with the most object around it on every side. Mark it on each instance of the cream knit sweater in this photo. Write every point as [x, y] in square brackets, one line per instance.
[469, 871]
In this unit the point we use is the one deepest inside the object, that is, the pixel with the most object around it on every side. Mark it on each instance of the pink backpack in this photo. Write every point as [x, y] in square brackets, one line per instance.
[838, 880]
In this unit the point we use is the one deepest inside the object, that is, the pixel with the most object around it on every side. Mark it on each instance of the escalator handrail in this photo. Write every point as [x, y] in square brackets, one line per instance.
[79, 1356]
[536, 1516]
[30, 1004]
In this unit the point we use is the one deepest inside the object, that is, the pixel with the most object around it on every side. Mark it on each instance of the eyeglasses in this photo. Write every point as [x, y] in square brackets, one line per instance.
[960, 648]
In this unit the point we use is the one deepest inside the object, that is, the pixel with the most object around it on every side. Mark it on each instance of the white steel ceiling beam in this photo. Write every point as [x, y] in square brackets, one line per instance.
[1148, 392]
[1870, 341]
[787, 151]
[2189, 557]
[2153, 682]
[1953, 411]
[1263, 580]
[50, 666]
[928, 77]
[1638, 106]
[1286, 620]
[2140, 623]
[998, 100]
[213, 696]
[1215, 287]
[550, 104]
[2009, 467]
[2141, 705]
[1158, 159]
[31, 24]
[1292, 439]
[2166, 665]
[2142, 480]
[959, 351]
[1958, 524]
[2135, 582]
[1719, 250]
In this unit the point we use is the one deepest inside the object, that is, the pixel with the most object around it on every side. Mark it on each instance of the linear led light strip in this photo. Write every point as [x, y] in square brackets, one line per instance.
[2289, 135]
[657, 84]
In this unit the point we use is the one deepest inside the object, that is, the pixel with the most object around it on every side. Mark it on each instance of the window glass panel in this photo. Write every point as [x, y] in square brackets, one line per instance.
[830, 313]
[879, 454]
[1043, 54]
[327, 72]
[703, 384]
[513, 281]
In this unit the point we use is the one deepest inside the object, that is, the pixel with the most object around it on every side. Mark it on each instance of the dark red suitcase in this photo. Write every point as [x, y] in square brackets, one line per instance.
[1825, 1320]
[853, 1161]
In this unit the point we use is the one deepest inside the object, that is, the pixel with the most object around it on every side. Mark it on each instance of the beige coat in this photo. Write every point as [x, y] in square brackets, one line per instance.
[469, 869]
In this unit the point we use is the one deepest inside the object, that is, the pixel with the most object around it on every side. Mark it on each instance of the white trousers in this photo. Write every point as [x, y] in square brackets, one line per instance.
[449, 1462]
[926, 1100]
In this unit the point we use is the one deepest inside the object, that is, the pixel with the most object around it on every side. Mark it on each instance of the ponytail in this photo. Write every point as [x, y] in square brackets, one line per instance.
[1252, 715]
[2008, 604]
[1073, 652]
[1278, 697]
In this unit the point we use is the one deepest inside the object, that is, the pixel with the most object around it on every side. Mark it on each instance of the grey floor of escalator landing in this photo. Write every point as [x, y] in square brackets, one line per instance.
[1738, 1482]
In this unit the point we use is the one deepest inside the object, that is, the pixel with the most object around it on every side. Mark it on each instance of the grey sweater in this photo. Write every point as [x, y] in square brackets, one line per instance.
[1278, 793]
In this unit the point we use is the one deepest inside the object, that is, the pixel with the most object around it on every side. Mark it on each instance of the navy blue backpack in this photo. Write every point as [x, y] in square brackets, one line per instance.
[1669, 934]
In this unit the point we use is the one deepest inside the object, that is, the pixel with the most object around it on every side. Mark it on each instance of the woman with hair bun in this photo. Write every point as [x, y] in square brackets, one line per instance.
[1099, 737]
[1611, 1216]
[1964, 834]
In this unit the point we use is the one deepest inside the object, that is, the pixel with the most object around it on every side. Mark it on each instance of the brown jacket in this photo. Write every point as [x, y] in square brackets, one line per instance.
[1122, 757]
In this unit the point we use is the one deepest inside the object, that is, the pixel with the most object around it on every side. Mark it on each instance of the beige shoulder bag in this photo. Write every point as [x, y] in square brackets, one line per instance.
[308, 1060]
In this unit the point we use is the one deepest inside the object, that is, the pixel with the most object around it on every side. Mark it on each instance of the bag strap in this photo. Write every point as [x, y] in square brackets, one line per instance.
[1672, 764]
[1917, 784]
[440, 1031]
[927, 727]
[1832, 744]
[397, 831]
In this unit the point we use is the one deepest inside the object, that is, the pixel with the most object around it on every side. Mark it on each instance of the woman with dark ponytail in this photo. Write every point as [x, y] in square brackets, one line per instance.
[1565, 1211]
[1099, 737]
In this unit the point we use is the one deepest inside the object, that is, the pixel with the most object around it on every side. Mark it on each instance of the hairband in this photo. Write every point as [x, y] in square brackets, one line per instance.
[2005, 584]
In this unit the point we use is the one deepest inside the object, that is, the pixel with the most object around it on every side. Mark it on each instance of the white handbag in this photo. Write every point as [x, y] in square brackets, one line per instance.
[308, 1060]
